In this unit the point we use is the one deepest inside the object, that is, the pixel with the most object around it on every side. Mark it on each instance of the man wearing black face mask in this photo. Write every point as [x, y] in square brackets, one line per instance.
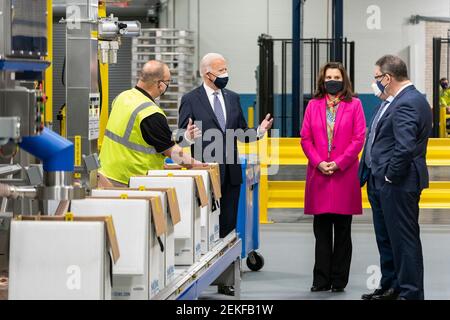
[218, 110]
[138, 137]
[444, 98]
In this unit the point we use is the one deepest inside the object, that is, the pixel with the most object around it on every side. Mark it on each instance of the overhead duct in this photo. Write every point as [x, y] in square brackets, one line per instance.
[137, 8]
[415, 19]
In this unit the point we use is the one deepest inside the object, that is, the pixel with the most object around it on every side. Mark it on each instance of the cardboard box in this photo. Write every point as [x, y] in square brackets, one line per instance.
[210, 213]
[53, 259]
[214, 175]
[139, 274]
[191, 196]
[171, 212]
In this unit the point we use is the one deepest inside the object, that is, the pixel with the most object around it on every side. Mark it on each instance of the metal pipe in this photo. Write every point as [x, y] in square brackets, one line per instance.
[59, 11]
[338, 29]
[13, 192]
[437, 45]
[415, 19]
[297, 6]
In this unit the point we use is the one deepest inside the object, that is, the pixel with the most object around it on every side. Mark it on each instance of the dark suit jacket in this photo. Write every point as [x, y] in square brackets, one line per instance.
[401, 139]
[363, 170]
[195, 105]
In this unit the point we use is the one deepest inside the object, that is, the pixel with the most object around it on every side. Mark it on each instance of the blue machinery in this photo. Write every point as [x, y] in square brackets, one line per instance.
[248, 213]
[56, 153]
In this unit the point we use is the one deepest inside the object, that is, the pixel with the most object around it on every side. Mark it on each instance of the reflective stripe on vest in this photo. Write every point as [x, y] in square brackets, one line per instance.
[125, 140]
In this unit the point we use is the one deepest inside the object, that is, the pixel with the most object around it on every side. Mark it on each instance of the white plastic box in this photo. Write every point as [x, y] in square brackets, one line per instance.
[169, 236]
[209, 217]
[191, 197]
[139, 273]
[57, 260]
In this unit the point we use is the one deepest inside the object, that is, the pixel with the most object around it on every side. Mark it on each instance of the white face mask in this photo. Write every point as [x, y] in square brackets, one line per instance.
[376, 91]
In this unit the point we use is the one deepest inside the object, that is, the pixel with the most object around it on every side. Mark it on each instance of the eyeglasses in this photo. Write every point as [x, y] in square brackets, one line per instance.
[166, 82]
[381, 76]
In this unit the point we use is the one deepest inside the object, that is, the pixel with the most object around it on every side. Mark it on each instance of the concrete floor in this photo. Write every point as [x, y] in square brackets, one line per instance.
[288, 250]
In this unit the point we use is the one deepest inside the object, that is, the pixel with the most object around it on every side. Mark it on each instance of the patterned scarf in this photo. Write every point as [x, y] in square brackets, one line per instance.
[332, 107]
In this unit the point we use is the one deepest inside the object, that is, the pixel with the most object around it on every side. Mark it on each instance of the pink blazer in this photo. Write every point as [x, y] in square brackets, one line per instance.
[339, 193]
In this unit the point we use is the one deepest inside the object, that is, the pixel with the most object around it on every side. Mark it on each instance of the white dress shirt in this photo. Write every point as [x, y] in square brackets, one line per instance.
[210, 93]
[388, 103]
[404, 87]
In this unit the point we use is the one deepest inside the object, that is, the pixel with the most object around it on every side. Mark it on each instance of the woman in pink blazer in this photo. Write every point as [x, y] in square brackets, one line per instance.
[332, 136]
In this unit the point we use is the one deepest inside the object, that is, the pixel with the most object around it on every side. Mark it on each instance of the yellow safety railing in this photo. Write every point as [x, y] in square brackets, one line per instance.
[289, 194]
[443, 131]
[287, 151]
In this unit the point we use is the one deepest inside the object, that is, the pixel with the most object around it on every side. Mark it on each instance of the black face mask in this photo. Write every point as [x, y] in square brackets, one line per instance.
[444, 85]
[221, 81]
[333, 87]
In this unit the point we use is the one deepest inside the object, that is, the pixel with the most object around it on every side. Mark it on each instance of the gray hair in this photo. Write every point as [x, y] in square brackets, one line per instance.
[394, 66]
[152, 71]
[205, 63]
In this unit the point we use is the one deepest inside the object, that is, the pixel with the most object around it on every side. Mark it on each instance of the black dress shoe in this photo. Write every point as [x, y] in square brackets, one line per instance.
[389, 294]
[226, 290]
[337, 289]
[320, 289]
[369, 296]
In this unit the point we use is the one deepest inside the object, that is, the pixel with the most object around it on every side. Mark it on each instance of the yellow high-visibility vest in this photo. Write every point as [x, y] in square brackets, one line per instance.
[124, 151]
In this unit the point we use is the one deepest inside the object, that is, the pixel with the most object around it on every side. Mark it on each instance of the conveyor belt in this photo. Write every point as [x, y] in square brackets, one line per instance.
[195, 279]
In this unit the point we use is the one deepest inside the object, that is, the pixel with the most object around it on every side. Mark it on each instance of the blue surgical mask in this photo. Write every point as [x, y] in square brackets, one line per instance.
[381, 86]
[376, 90]
[221, 80]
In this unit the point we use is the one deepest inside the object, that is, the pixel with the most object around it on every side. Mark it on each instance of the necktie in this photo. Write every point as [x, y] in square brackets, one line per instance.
[368, 157]
[219, 111]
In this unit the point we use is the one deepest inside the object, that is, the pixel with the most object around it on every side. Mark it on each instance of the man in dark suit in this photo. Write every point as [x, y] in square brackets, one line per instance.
[217, 112]
[388, 284]
[398, 174]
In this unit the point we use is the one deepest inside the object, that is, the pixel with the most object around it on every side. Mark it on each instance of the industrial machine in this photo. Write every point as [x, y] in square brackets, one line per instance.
[92, 41]
[38, 167]
[23, 47]
[27, 184]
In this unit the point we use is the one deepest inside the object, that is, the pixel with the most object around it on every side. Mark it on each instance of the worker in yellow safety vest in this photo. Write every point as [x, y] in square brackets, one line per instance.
[444, 97]
[137, 136]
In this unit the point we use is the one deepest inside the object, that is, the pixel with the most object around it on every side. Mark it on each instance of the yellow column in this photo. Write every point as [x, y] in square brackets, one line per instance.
[49, 72]
[264, 196]
[264, 157]
[104, 74]
[251, 117]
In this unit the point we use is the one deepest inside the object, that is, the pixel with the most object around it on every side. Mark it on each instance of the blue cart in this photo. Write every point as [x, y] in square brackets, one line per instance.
[248, 213]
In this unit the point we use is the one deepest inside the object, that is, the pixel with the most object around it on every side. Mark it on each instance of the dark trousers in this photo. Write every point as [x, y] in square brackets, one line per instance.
[333, 256]
[388, 275]
[228, 206]
[401, 212]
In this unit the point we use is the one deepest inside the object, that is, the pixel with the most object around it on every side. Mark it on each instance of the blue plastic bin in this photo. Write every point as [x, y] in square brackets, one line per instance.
[248, 212]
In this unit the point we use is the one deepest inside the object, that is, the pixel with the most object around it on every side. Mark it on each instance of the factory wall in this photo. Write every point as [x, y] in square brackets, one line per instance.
[378, 27]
